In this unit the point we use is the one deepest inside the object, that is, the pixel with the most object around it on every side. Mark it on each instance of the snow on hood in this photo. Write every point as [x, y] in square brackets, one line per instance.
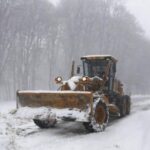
[72, 82]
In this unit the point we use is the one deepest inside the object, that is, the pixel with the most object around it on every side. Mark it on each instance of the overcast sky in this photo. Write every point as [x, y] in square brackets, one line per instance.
[54, 1]
[140, 9]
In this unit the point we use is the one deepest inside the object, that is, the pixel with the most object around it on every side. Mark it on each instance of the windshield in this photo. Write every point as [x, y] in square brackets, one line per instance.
[94, 67]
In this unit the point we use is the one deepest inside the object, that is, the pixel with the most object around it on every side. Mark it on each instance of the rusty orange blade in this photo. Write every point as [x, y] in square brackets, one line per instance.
[56, 99]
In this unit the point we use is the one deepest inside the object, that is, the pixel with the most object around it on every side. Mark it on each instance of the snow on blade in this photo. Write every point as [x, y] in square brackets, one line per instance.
[61, 92]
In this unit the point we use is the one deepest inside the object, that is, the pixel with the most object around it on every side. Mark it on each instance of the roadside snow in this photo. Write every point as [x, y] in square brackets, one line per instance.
[6, 106]
[129, 133]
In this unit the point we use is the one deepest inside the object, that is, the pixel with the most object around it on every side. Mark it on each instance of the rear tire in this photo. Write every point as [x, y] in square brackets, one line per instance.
[44, 123]
[100, 118]
[128, 103]
[124, 106]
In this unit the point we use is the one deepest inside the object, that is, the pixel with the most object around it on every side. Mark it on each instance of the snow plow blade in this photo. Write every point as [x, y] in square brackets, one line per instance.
[55, 99]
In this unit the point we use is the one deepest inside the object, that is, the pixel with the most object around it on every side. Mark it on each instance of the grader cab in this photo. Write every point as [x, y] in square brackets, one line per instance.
[101, 66]
[91, 98]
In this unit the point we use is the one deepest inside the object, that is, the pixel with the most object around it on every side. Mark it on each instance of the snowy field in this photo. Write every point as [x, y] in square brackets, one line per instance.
[129, 133]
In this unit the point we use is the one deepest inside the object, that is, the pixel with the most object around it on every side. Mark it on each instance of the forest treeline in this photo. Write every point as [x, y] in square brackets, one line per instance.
[38, 41]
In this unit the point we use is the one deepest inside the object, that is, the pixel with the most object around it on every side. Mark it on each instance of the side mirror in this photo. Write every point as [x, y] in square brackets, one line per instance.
[78, 70]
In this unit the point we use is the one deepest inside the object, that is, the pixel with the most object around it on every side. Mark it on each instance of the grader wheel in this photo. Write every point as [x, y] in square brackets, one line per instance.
[100, 118]
[125, 105]
[100, 114]
[128, 104]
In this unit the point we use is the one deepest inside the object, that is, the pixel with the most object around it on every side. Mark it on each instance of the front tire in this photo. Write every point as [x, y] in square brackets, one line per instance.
[100, 118]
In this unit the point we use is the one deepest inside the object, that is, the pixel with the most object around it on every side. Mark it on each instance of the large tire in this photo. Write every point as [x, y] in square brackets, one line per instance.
[100, 118]
[44, 123]
[128, 104]
[124, 106]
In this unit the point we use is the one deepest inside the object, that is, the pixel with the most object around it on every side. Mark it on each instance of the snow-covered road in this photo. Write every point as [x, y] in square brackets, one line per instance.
[129, 133]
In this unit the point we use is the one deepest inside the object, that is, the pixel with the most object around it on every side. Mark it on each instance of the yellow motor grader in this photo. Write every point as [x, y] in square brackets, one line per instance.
[91, 98]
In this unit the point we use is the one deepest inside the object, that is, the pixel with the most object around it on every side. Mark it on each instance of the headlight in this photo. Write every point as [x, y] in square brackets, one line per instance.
[58, 79]
[84, 79]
